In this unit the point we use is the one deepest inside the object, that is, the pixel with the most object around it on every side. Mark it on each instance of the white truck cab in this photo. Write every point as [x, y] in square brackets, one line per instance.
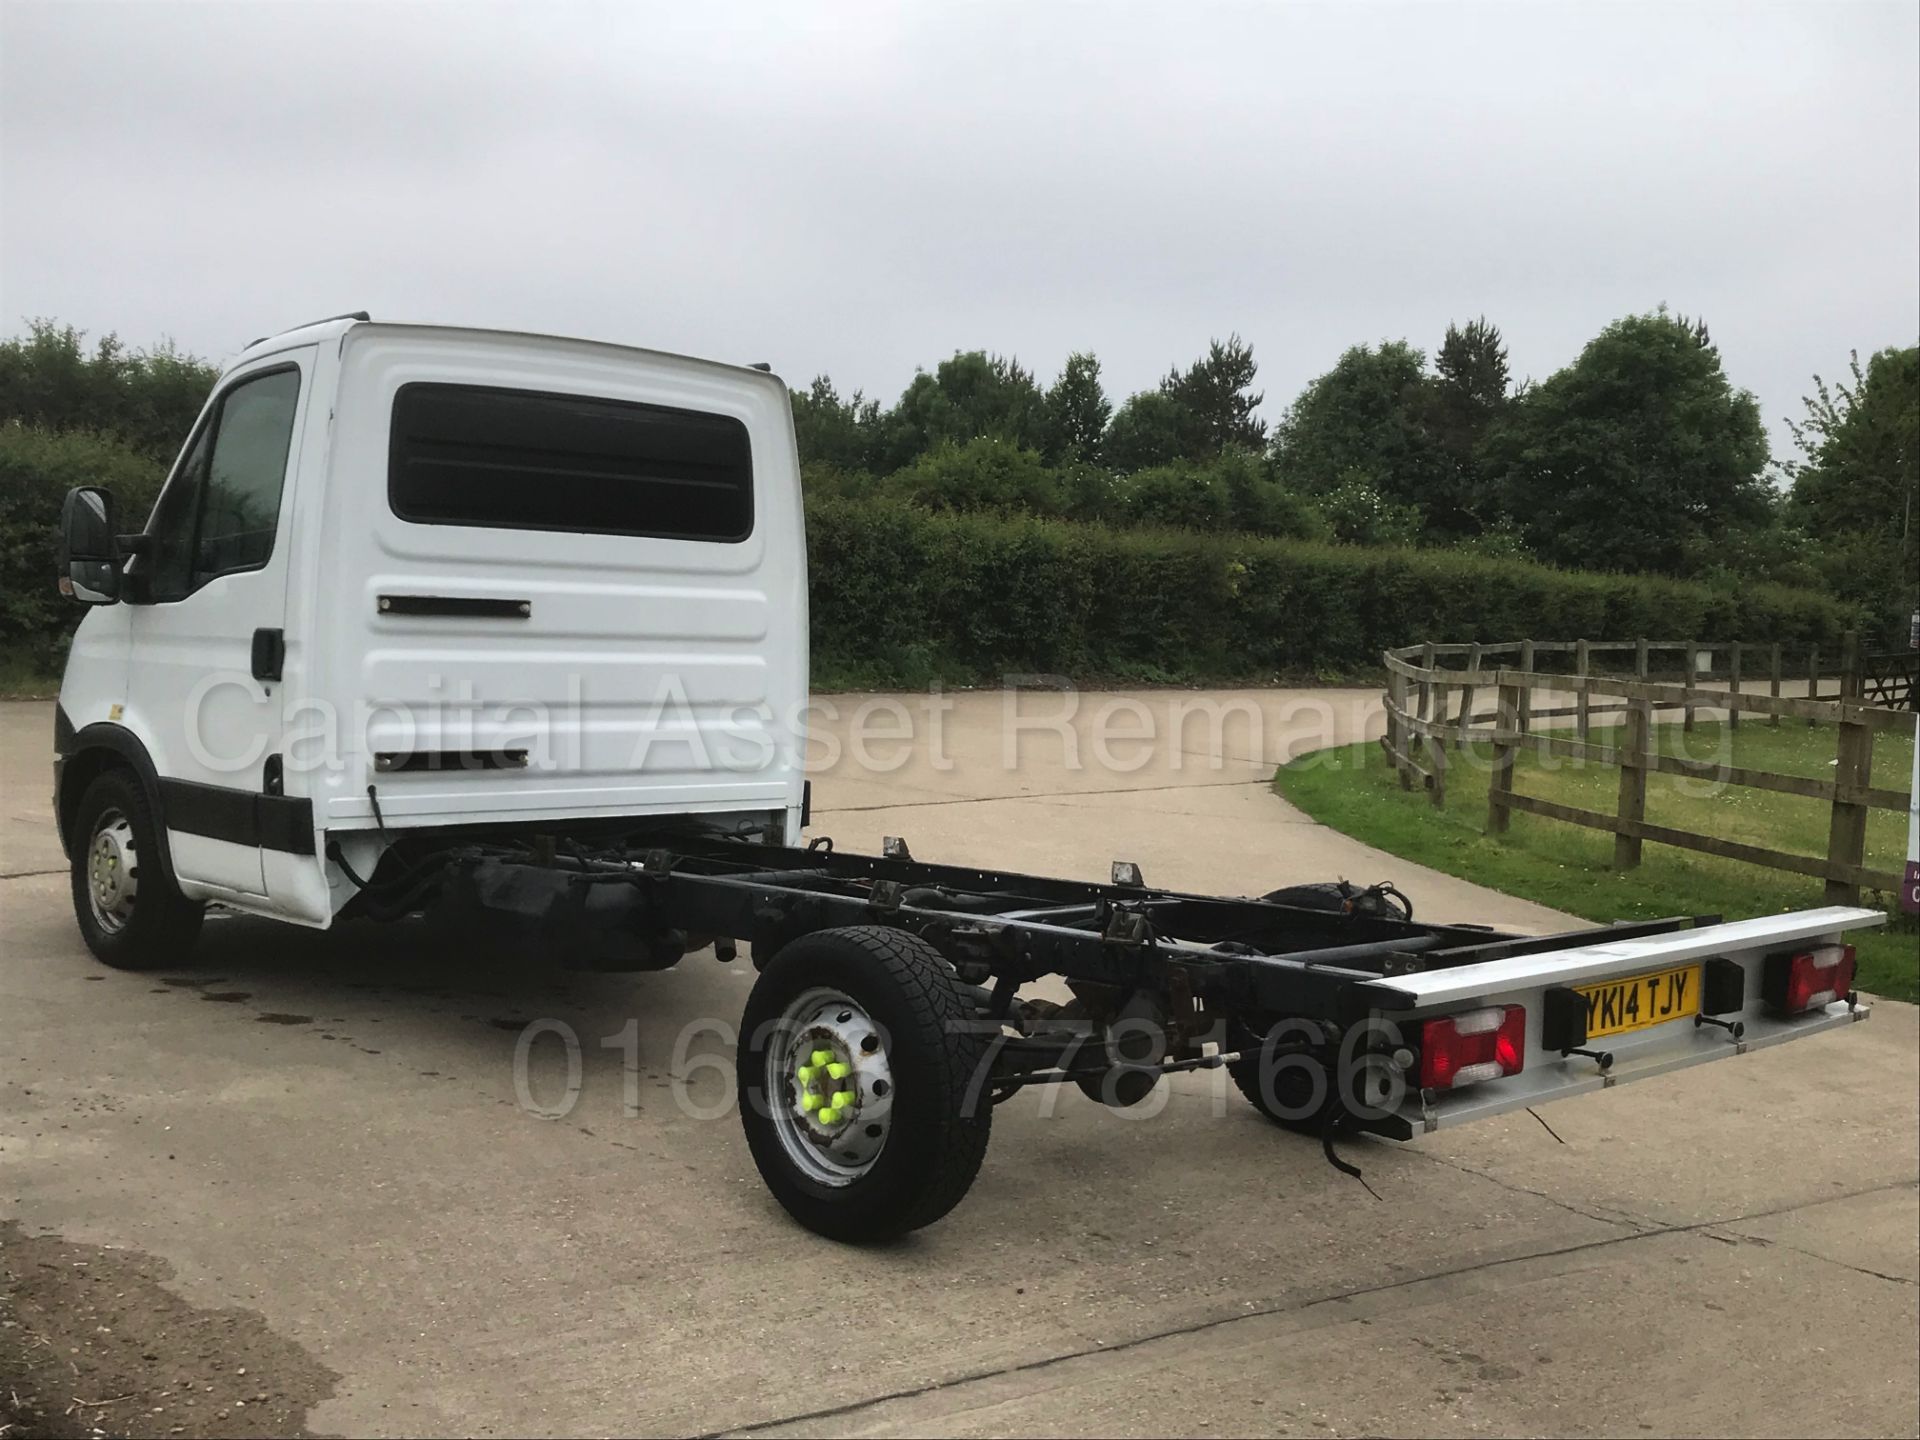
[408, 577]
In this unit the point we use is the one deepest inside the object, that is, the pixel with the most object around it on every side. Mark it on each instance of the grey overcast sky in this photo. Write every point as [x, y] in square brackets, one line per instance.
[862, 189]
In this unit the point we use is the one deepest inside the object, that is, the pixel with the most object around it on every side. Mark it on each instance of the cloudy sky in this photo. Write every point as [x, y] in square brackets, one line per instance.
[863, 189]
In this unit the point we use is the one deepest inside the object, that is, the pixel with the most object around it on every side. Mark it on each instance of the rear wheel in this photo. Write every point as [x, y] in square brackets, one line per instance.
[861, 1083]
[130, 914]
[1294, 1090]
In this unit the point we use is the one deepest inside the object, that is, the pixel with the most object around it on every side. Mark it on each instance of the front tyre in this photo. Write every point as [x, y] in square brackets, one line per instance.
[861, 1077]
[130, 914]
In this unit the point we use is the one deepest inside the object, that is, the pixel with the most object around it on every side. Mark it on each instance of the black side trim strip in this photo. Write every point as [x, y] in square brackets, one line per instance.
[241, 817]
[483, 606]
[387, 761]
[286, 824]
[65, 740]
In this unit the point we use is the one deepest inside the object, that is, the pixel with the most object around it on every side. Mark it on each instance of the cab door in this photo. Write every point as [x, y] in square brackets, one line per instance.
[210, 599]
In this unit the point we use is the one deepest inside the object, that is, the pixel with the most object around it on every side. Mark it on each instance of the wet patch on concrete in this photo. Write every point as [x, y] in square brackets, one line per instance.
[226, 997]
[275, 1017]
[93, 1342]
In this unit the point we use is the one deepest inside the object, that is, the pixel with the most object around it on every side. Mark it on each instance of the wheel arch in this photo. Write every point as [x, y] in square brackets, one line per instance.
[85, 755]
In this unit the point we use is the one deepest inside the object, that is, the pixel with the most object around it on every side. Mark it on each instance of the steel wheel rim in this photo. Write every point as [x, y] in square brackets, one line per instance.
[852, 1087]
[113, 872]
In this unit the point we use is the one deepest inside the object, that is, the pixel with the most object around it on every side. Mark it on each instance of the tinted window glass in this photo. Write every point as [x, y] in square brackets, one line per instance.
[249, 467]
[219, 511]
[170, 566]
[523, 460]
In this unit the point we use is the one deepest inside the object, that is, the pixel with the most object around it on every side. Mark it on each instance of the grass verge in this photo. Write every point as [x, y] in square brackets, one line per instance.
[1352, 789]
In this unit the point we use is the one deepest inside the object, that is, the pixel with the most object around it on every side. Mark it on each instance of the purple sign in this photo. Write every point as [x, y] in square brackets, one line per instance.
[1910, 888]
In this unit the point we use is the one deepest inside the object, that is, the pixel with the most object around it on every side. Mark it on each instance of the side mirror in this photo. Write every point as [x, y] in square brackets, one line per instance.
[89, 552]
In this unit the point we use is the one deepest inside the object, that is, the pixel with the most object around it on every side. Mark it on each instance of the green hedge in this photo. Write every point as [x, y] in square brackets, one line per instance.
[902, 596]
[37, 468]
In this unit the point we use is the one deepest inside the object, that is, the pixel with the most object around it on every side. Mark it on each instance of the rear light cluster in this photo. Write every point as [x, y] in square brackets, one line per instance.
[1809, 980]
[1473, 1046]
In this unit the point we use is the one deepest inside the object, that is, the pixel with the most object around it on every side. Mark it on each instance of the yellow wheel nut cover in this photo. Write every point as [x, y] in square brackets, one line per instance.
[829, 1117]
[843, 1098]
[809, 1101]
[822, 1057]
[806, 1074]
[838, 1071]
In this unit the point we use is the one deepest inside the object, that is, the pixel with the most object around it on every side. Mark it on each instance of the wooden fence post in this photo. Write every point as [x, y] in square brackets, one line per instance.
[1692, 674]
[1813, 679]
[1773, 677]
[1466, 698]
[1847, 832]
[1733, 685]
[1437, 763]
[1633, 781]
[1506, 732]
[1850, 683]
[1526, 691]
[1642, 669]
[1426, 683]
[1582, 720]
[1399, 753]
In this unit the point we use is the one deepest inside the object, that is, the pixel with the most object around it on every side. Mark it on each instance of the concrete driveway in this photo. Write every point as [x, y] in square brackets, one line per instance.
[323, 1138]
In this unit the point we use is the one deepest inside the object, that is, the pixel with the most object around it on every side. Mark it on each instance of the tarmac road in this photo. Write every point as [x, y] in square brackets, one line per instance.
[325, 1132]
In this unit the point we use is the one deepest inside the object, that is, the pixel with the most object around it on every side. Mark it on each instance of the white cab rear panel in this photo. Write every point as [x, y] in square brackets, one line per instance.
[647, 676]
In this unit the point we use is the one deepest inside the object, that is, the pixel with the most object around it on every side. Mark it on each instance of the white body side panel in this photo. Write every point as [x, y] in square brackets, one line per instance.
[650, 677]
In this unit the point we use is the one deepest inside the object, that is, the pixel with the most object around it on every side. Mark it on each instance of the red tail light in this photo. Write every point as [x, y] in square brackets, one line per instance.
[1477, 1045]
[1795, 984]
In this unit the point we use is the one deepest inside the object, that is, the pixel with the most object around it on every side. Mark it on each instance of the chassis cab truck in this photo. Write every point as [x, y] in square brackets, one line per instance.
[513, 629]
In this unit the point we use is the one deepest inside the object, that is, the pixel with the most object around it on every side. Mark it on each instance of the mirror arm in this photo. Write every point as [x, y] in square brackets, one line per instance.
[138, 544]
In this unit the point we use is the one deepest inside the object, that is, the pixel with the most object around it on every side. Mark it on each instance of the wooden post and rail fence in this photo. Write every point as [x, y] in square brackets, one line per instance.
[1431, 707]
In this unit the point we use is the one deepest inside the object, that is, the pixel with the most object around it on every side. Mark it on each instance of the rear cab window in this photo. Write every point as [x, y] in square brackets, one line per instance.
[528, 460]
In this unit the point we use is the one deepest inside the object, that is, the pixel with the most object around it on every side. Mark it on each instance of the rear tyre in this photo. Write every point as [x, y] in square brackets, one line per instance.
[861, 1079]
[1294, 1091]
[130, 914]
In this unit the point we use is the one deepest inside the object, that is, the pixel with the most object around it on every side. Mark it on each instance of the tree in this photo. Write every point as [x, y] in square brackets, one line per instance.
[984, 473]
[1862, 443]
[1216, 400]
[1144, 432]
[1857, 493]
[1233, 491]
[1077, 412]
[1467, 394]
[1635, 454]
[972, 394]
[1364, 422]
[147, 398]
[844, 434]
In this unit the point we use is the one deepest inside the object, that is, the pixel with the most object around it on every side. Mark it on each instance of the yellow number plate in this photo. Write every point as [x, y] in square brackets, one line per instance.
[1623, 1005]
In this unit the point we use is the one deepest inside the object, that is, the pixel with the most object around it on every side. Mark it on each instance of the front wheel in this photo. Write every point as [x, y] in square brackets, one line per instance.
[130, 914]
[862, 1083]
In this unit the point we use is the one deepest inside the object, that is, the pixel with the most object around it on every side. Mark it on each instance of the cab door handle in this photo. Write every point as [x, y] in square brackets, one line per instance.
[269, 653]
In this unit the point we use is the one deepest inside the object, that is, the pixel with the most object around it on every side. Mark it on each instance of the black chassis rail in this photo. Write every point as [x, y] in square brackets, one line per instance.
[1239, 956]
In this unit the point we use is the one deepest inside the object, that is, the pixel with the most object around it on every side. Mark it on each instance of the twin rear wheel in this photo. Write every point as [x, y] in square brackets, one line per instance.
[130, 914]
[862, 1083]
